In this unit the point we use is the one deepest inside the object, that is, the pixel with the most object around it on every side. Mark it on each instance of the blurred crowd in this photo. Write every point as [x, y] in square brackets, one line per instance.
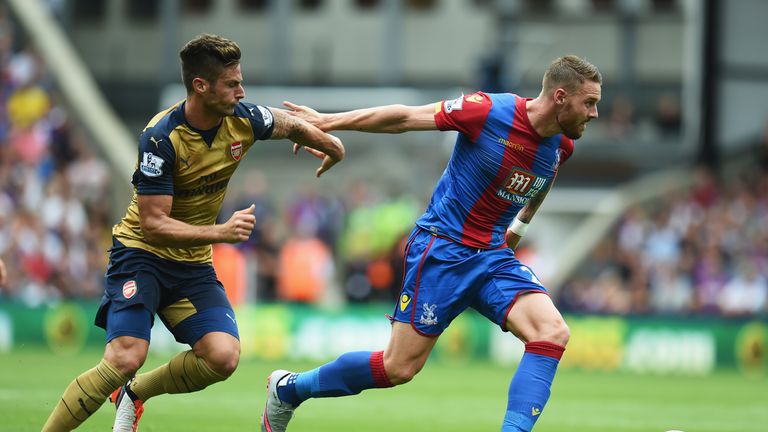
[662, 121]
[703, 251]
[318, 243]
[54, 204]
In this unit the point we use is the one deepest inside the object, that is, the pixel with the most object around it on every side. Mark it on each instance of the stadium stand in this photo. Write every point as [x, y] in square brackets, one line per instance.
[54, 202]
[701, 251]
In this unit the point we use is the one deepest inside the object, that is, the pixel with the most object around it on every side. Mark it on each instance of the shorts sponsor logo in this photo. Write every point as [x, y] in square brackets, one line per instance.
[129, 289]
[428, 315]
[405, 300]
[151, 165]
[236, 150]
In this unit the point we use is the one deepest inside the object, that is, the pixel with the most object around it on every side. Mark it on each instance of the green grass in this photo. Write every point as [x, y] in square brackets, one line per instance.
[445, 398]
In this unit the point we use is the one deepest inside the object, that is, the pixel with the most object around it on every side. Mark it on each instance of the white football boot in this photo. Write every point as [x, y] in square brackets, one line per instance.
[277, 413]
[129, 409]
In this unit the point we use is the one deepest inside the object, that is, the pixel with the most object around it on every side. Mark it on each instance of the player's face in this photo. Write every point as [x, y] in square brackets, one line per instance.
[579, 108]
[224, 94]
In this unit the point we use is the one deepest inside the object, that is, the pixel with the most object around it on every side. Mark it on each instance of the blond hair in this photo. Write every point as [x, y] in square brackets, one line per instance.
[569, 72]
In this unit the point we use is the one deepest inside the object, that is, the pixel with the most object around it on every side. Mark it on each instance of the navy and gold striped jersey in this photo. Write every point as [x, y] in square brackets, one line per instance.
[193, 166]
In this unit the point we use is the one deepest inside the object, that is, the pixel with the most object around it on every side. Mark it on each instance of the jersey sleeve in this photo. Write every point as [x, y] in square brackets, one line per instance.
[260, 117]
[157, 157]
[466, 114]
[566, 149]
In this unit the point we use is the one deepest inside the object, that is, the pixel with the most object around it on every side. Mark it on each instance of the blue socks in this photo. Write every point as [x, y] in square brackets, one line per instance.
[530, 387]
[348, 375]
[354, 372]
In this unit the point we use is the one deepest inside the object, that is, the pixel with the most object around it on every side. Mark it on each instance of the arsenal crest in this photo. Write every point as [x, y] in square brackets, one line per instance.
[129, 289]
[236, 150]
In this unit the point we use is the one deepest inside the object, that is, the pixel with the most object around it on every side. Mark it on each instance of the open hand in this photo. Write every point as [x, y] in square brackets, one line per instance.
[305, 113]
[328, 161]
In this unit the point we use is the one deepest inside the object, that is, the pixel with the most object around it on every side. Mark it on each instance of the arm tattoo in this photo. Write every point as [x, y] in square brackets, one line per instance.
[285, 125]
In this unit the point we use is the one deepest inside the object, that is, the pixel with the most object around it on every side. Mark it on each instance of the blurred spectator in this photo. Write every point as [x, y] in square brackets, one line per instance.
[375, 226]
[3, 274]
[671, 290]
[668, 116]
[306, 269]
[762, 148]
[490, 73]
[621, 119]
[262, 248]
[709, 278]
[317, 215]
[746, 293]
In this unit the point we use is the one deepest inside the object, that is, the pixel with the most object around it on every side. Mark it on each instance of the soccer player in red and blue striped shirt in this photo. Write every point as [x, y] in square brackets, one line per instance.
[461, 251]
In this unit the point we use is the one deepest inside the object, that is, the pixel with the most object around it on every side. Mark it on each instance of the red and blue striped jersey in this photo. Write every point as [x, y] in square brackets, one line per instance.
[498, 163]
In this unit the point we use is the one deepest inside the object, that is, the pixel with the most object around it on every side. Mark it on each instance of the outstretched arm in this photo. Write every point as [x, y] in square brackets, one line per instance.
[516, 231]
[328, 147]
[383, 119]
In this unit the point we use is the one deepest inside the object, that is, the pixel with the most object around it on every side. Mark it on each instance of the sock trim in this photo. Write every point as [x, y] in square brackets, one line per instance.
[380, 377]
[71, 413]
[547, 349]
[77, 381]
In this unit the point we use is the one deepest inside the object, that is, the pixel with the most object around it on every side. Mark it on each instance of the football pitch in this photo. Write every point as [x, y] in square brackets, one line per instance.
[444, 397]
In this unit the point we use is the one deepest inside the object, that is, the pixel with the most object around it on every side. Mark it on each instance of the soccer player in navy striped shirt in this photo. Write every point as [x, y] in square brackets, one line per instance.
[160, 262]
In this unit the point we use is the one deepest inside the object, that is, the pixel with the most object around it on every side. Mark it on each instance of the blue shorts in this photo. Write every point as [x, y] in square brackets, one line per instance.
[443, 277]
[188, 298]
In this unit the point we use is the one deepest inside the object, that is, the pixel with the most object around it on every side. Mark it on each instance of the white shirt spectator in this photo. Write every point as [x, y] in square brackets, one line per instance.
[746, 293]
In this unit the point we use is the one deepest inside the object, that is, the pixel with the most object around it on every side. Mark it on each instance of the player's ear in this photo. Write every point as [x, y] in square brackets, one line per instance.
[559, 96]
[199, 85]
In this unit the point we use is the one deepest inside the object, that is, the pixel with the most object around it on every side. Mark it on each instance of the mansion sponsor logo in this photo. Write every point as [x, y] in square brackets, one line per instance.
[520, 186]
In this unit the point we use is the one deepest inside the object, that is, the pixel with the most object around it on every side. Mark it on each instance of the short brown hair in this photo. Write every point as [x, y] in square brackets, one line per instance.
[206, 56]
[569, 72]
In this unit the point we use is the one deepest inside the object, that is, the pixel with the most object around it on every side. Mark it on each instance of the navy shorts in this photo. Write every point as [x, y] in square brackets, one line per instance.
[443, 278]
[188, 298]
